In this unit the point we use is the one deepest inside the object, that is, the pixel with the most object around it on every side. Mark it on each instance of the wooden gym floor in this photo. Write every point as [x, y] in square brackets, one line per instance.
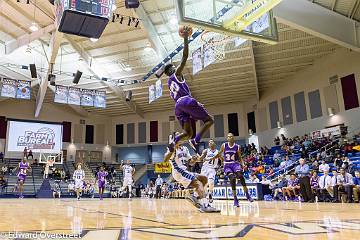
[176, 219]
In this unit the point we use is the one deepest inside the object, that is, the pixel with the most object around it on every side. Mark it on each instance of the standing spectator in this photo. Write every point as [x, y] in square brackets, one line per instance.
[25, 152]
[30, 154]
[3, 184]
[325, 186]
[302, 171]
[46, 171]
[314, 183]
[344, 184]
[324, 166]
[2, 156]
[356, 188]
[159, 181]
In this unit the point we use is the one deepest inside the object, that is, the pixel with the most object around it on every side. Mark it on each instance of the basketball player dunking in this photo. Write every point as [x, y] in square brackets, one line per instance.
[23, 167]
[178, 160]
[209, 166]
[232, 167]
[187, 109]
[101, 177]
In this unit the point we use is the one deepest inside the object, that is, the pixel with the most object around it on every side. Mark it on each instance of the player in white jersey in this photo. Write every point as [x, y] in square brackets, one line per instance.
[79, 176]
[178, 159]
[128, 172]
[209, 167]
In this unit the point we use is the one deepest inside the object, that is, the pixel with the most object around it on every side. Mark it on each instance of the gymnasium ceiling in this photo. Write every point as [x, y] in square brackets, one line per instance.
[247, 71]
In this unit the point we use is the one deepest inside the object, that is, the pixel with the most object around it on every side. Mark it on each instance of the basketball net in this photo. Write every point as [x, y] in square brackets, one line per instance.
[217, 42]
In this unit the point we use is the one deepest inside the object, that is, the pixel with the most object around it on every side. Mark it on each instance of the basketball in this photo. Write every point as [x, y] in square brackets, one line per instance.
[184, 29]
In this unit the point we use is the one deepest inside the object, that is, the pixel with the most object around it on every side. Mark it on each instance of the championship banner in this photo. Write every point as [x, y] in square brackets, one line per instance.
[100, 99]
[23, 89]
[197, 61]
[209, 53]
[8, 88]
[87, 97]
[74, 96]
[326, 132]
[164, 167]
[61, 94]
[152, 93]
[158, 89]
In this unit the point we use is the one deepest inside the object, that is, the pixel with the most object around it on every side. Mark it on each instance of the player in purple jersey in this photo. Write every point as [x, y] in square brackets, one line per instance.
[23, 167]
[232, 167]
[187, 109]
[101, 177]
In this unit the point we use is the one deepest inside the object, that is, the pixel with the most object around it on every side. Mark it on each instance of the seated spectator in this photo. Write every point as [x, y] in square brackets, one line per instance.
[338, 162]
[325, 186]
[344, 184]
[277, 141]
[91, 191]
[345, 163]
[356, 187]
[253, 178]
[4, 169]
[314, 183]
[56, 190]
[292, 188]
[276, 155]
[315, 165]
[279, 186]
[324, 166]
[71, 188]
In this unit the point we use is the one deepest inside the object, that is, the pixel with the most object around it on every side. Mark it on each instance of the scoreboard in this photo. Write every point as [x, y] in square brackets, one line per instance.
[87, 18]
[100, 8]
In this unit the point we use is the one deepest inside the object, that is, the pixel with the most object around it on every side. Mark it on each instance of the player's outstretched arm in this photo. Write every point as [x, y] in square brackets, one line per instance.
[220, 153]
[168, 155]
[185, 55]
[203, 155]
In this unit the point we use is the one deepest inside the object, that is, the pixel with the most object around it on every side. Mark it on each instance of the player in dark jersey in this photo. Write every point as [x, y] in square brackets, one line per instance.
[101, 177]
[232, 166]
[187, 109]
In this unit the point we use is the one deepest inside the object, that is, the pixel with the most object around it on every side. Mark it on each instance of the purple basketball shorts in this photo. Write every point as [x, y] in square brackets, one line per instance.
[232, 168]
[188, 108]
[101, 184]
[21, 177]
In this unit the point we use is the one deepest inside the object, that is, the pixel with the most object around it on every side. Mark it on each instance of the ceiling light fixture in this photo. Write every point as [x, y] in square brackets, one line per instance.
[148, 48]
[94, 39]
[173, 19]
[34, 27]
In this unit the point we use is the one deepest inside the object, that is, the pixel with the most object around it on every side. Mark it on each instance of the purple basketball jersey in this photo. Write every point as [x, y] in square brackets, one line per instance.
[22, 171]
[178, 89]
[101, 176]
[230, 153]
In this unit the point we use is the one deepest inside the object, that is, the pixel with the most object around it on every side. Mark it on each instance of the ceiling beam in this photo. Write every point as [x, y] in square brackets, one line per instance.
[54, 46]
[354, 9]
[314, 19]
[91, 65]
[152, 32]
[28, 38]
[254, 69]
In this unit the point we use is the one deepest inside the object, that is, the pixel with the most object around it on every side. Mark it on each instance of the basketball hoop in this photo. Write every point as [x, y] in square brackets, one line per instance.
[217, 43]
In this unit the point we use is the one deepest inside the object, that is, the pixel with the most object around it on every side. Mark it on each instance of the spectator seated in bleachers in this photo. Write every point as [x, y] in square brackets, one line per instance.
[291, 191]
[71, 188]
[4, 169]
[56, 190]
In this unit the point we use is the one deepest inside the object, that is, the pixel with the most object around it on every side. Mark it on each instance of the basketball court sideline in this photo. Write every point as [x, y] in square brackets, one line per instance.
[176, 219]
